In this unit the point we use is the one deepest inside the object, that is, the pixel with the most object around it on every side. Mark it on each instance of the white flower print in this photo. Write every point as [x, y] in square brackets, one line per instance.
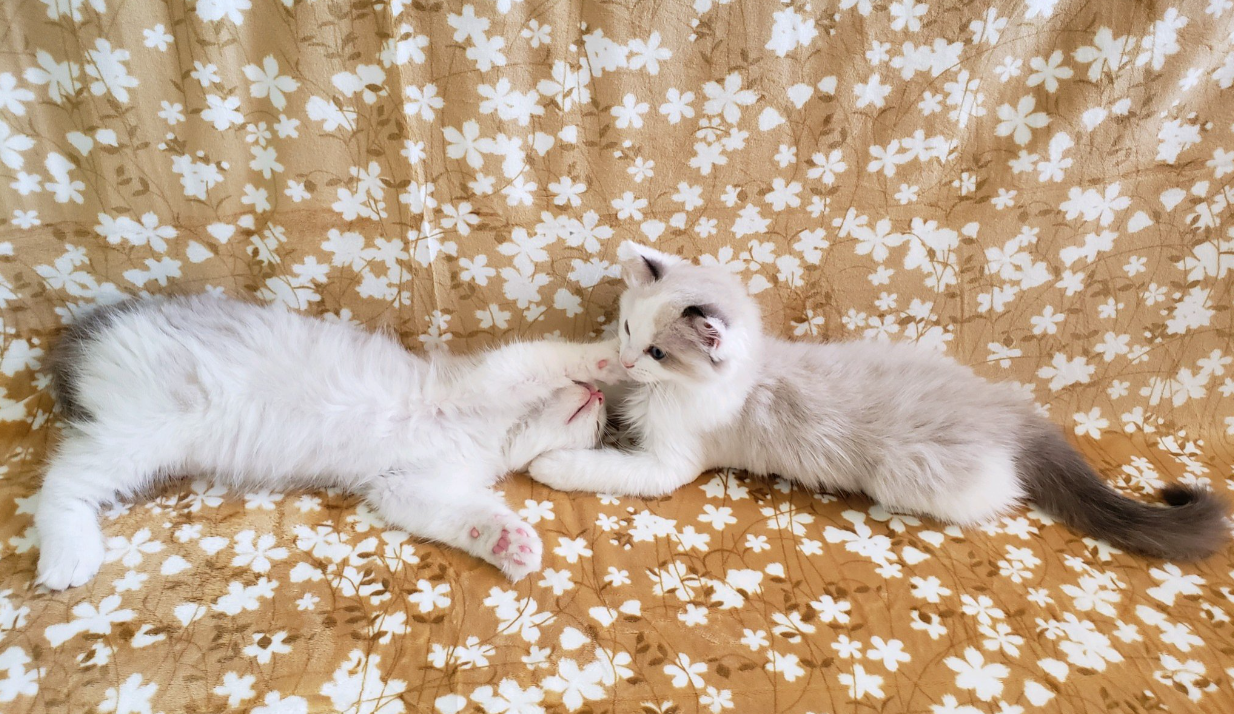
[106, 66]
[728, 98]
[266, 81]
[973, 673]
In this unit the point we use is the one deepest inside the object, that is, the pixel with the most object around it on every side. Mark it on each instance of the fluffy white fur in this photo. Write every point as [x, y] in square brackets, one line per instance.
[909, 427]
[912, 429]
[258, 397]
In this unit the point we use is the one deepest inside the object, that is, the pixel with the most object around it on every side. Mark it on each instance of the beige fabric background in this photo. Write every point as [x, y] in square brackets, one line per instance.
[1040, 188]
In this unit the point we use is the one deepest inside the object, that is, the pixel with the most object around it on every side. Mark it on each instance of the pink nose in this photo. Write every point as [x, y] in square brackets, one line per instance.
[627, 365]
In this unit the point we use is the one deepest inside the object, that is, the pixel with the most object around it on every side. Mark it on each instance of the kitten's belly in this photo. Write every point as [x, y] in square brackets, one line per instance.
[292, 451]
[302, 435]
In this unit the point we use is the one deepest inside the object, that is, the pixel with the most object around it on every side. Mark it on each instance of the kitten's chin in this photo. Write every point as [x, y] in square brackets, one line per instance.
[662, 382]
[696, 376]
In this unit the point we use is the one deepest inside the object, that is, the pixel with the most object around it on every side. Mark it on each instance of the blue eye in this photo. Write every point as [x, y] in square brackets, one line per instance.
[656, 353]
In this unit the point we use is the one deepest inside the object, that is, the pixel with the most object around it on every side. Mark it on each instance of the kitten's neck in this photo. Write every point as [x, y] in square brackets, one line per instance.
[516, 455]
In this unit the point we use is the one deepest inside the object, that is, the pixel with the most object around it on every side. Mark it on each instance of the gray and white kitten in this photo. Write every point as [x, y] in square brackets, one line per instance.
[911, 428]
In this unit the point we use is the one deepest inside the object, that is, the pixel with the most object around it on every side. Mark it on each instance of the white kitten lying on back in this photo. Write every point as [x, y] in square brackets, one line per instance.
[258, 397]
[909, 427]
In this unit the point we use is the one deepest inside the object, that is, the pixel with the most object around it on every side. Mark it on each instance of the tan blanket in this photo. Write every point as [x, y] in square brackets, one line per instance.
[1040, 188]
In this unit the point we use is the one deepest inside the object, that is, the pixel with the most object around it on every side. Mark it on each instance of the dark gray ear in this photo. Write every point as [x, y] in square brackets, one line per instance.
[641, 265]
[709, 323]
[641, 270]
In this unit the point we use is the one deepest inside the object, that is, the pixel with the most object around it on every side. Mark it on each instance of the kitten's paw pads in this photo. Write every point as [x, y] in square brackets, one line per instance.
[69, 565]
[510, 544]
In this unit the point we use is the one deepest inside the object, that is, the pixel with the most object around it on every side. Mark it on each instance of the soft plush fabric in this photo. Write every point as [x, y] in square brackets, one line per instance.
[1040, 188]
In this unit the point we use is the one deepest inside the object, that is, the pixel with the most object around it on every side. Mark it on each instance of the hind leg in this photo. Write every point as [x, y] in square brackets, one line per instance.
[80, 477]
[964, 489]
[455, 510]
[992, 490]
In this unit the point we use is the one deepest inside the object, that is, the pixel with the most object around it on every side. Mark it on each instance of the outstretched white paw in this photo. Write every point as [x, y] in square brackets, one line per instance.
[602, 363]
[64, 564]
[553, 470]
[508, 543]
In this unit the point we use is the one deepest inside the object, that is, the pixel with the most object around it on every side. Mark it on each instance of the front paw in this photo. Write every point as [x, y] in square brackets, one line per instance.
[63, 565]
[602, 363]
[553, 470]
[612, 372]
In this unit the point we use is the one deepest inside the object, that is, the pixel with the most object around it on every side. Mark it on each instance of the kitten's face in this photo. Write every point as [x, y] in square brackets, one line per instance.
[663, 338]
[676, 318]
[572, 417]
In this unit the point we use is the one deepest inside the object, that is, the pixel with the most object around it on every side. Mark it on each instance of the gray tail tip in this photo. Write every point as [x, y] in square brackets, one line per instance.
[1206, 514]
[1181, 494]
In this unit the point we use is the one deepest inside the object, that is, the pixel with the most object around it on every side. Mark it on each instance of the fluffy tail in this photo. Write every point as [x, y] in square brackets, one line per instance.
[1059, 480]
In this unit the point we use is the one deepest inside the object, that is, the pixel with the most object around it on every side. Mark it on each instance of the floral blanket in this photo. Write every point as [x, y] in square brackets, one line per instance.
[1041, 188]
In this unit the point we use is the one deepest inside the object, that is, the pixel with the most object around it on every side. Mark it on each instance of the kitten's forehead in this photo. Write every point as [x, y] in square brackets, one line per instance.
[649, 310]
[653, 313]
[654, 307]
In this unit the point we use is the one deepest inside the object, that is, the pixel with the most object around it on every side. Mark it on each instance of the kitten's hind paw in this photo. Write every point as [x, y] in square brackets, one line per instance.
[508, 543]
[67, 565]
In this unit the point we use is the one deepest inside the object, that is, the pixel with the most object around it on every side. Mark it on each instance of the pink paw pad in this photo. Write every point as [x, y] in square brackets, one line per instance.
[510, 544]
[602, 364]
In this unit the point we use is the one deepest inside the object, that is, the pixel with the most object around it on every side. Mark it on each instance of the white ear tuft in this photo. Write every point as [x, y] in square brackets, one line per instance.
[641, 265]
[710, 326]
[711, 335]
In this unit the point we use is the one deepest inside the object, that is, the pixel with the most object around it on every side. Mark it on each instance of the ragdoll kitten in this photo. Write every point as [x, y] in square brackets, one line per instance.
[912, 429]
[258, 397]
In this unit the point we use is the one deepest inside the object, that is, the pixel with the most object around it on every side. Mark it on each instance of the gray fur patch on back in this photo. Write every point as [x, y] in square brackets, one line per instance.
[70, 351]
[787, 403]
